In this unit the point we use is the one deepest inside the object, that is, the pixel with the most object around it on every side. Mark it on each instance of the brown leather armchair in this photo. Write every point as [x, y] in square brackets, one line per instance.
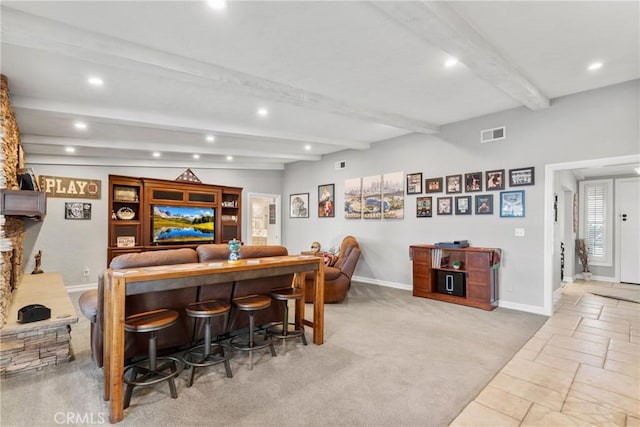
[337, 279]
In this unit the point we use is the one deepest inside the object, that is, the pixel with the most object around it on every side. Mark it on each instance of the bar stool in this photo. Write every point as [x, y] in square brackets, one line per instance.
[281, 330]
[248, 341]
[202, 355]
[151, 321]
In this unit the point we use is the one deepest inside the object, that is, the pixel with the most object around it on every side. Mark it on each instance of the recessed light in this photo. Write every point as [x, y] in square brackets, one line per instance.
[262, 112]
[80, 125]
[217, 4]
[155, 154]
[196, 156]
[594, 66]
[95, 81]
[229, 158]
[637, 170]
[70, 149]
[307, 147]
[210, 138]
[450, 62]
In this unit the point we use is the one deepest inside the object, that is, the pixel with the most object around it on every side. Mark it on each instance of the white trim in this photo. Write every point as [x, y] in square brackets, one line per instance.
[549, 182]
[82, 287]
[523, 307]
[388, 284]
[597, 278]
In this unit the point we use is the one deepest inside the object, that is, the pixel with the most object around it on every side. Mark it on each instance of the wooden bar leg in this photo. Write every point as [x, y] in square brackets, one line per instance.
[318, 304]
[299, 282]
[117, 350]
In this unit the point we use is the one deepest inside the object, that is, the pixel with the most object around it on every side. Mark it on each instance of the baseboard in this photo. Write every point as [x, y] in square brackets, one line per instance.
[598, 278]
[522, 307]
[82, 287]
[382, 283]
[569, 279]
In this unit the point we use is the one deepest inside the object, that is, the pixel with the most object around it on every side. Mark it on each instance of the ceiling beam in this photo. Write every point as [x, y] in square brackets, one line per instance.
[136, 118]
[26, 30]
[437, 23]
[203, 149]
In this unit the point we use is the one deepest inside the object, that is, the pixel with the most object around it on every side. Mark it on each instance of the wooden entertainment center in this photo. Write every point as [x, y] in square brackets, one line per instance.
[131, 202]
[479, 266]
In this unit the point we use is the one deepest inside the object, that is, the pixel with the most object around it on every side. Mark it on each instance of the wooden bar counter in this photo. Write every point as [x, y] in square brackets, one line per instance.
[120, 283]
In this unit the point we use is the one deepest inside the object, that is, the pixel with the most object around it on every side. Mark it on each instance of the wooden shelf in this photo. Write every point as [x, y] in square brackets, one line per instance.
[480, 267]
[31, 204]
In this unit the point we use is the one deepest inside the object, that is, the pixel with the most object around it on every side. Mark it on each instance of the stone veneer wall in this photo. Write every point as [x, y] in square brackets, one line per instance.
[12, 228]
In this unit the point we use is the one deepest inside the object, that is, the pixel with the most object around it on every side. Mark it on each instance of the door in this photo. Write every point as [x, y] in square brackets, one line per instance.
[628, 218]
[263, 219]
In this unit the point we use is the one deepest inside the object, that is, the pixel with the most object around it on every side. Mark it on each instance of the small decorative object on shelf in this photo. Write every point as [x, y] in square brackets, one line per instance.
[457, 265]
[126, 213]
[234, 251]
[37, 269]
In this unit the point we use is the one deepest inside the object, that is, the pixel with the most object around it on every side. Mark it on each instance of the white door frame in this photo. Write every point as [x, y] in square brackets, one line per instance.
[549, 185]
[278, 203]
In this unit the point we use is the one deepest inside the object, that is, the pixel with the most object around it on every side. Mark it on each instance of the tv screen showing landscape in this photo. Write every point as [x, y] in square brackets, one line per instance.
[182, 224]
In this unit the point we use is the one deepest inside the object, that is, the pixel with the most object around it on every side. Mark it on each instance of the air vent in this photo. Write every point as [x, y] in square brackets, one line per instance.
[341, 165]
[495, 134]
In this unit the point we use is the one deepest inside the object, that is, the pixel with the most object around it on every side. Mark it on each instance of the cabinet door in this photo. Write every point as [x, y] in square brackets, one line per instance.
[479, 276]
[421, 271]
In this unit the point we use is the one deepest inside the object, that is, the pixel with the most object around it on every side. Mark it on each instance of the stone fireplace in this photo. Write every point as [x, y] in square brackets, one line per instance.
[11, 228]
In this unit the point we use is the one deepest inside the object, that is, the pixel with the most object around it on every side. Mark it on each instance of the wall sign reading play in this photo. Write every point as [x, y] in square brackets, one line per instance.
[64, 187]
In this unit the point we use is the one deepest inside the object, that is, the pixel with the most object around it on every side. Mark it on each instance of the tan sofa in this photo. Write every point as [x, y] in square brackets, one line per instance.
[337, 279]
[185, 332]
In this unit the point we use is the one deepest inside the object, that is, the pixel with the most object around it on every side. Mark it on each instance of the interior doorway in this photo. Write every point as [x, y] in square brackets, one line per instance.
[263, 219]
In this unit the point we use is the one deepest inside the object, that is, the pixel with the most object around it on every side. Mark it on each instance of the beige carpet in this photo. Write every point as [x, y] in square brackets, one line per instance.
[388, 359]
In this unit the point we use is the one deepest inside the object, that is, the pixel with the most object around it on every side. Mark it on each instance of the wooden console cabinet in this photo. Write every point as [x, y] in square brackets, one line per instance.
[479, 265]
[131, 202]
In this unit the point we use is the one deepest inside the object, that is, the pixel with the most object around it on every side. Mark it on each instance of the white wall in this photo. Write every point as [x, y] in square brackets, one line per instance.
[70, 245]
[589, 125]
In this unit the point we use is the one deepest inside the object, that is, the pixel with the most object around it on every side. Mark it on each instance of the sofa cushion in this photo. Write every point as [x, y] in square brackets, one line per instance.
[153, 258]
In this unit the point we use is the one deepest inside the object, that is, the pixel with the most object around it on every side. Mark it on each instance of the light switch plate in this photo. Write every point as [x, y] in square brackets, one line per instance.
[519, 232]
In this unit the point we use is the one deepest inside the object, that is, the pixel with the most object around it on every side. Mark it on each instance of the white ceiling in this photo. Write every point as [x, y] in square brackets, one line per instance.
[333, 75]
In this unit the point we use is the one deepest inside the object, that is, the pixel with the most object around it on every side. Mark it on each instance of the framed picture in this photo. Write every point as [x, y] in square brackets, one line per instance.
[326, 201]
[454, 184]
[433, 185]
[512, 204]
[463, 205]
[473, 182]
[522, 176]
[444, 205]
[424, 207]
[299, 205]
[125, 241]
[494, 180]
[414, 183]
[77, 210]
[484, 204]
[125, 194]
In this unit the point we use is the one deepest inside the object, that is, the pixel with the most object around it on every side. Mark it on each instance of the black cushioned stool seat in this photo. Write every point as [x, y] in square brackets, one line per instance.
[252, 341]
[286, 330]
[207, 354]
[151, 321]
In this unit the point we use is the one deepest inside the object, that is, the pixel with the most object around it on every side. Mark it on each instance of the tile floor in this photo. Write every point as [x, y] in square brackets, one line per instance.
[582, 368]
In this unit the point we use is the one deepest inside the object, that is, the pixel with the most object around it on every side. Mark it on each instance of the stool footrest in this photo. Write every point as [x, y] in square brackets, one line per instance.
[196, 357]
[158, 375]
[241, 342]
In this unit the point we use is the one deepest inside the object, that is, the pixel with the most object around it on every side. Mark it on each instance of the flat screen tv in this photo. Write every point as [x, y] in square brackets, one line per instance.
[182, 224]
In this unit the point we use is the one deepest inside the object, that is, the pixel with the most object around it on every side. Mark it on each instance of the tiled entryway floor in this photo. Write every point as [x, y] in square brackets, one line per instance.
[581, 368]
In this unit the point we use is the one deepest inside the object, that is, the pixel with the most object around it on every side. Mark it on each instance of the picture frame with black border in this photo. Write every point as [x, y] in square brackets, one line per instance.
[463, 205]
[512, 204]
[494, 180]
[473, 182]
[326, 201]
[414, 183]
[454, 184]
[522, 176]
[77, 210]
[424, 207]
[484, 204]
[299, 205]
[433, 185]
[444, 205]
